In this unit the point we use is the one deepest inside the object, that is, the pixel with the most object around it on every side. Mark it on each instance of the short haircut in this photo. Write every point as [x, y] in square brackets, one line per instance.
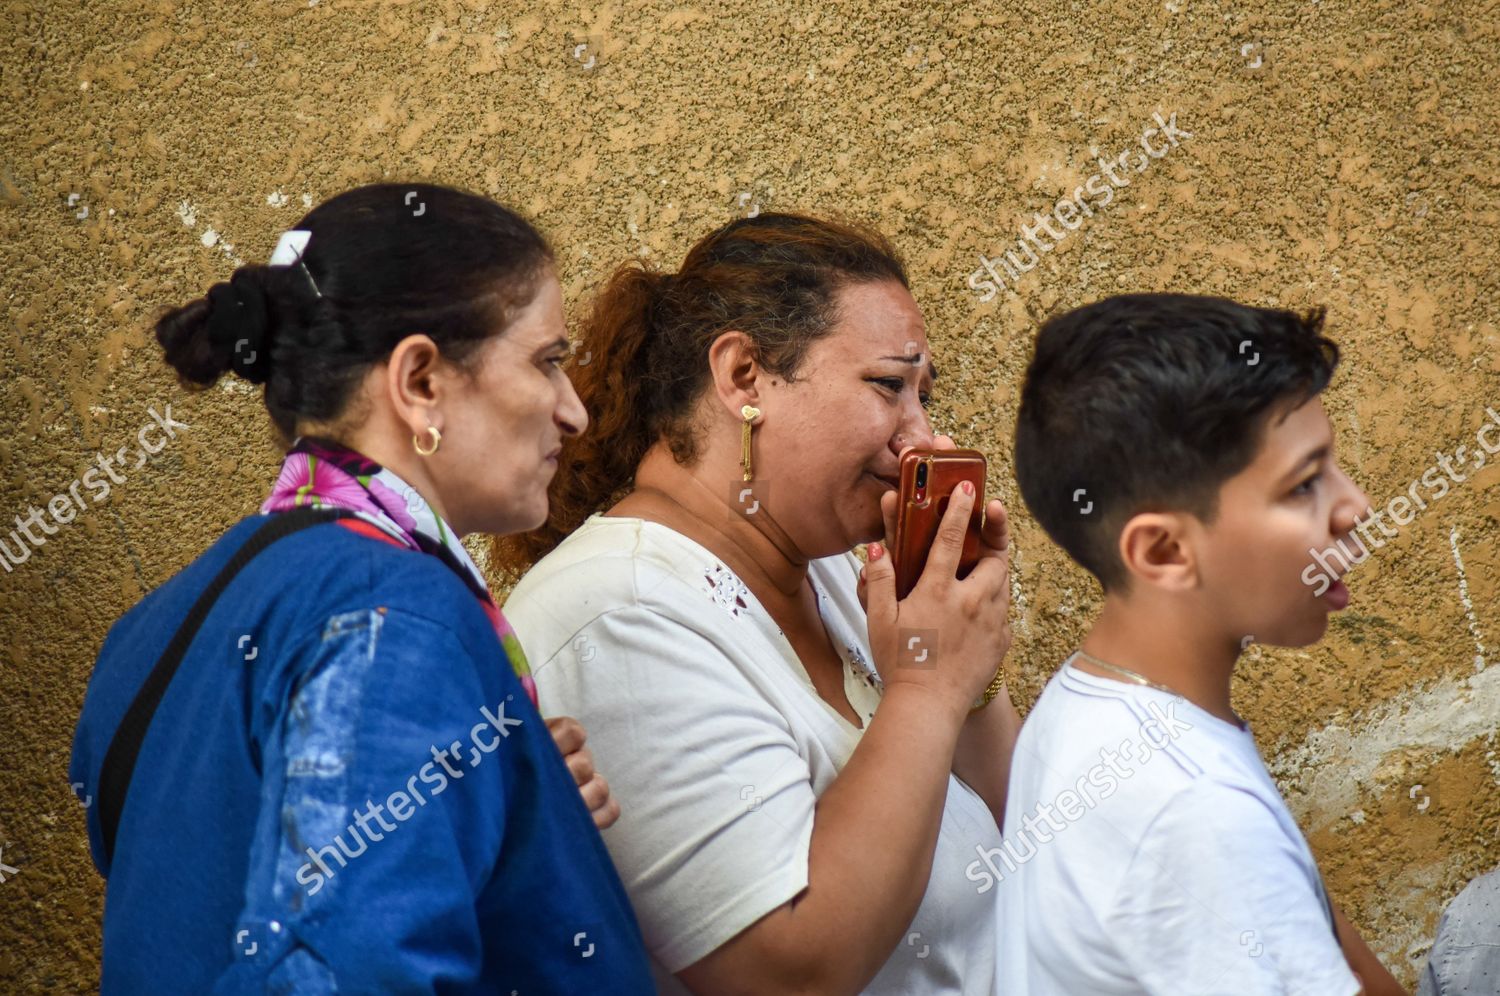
[1150, 402]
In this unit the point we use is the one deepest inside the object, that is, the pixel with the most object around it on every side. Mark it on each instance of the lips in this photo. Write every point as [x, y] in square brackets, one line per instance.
[1337, 596]
[892, 482]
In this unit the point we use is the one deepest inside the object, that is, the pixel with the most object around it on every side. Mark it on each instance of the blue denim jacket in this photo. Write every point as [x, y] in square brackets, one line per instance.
[345, 789]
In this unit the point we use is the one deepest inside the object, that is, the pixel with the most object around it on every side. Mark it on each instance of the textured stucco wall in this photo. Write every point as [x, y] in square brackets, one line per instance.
[1341, 152]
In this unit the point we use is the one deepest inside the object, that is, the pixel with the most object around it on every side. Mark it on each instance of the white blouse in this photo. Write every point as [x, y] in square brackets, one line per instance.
[717, 746]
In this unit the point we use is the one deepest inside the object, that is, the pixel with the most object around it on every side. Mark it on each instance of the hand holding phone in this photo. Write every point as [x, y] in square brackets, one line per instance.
[927, 479]
[948, 633]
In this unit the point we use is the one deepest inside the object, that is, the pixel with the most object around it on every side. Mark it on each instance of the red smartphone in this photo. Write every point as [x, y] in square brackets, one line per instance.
[928, 478]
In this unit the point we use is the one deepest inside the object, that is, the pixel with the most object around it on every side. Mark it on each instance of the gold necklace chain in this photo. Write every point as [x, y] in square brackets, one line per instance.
[1138, 678]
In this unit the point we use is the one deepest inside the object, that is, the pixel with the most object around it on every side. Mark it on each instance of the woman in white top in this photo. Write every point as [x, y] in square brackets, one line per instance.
[803, 786]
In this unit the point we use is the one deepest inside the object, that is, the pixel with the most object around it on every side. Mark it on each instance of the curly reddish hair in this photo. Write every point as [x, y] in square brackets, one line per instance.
[645, 346]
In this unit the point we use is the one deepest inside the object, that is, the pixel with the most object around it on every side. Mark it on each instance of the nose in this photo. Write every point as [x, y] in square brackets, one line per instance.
[918, 435]
[570, 415]
[1351, 503]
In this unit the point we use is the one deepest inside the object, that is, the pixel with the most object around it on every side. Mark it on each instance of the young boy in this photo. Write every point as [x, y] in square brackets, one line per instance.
[1177, 449]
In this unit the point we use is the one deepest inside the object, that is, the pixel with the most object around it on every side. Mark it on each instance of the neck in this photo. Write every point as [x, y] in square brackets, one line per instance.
[397, 455]
[1183, 654]
[752, 545]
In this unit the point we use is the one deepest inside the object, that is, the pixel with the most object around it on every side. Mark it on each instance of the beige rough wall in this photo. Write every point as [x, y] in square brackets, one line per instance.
[1341, 152]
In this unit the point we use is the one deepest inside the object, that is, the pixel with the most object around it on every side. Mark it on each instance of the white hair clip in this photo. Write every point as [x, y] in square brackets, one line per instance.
[290, 247]
[289, 250]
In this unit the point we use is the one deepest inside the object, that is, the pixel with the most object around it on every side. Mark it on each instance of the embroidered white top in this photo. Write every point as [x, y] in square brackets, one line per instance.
[717, 745]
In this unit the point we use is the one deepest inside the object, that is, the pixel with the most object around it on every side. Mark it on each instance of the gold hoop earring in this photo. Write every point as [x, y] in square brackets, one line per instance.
[749, 413]
[437, 440]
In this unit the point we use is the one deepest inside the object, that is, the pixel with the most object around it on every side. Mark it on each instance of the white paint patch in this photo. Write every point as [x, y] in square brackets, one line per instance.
[1463, 596]
[187, 212]
[1321, 777]
[1018, 599]
[1401, 916]
[277, 199]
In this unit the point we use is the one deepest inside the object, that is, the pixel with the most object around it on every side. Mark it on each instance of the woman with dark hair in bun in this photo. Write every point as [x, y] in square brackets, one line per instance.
[315, 755]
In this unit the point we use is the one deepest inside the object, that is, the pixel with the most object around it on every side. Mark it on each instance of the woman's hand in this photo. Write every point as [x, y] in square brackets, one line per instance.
[947, 636]
[569, 736]
[994, 534]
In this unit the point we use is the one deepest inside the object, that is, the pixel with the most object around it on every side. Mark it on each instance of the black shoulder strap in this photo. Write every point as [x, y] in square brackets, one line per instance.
[125, 747]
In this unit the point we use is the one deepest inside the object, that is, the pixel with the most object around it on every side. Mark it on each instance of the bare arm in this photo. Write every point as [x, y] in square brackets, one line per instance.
[876, 827]
[988, 737]
[982, 757]
[1377, 981]
[874, 833]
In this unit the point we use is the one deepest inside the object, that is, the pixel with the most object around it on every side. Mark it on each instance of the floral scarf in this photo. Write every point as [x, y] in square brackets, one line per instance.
[324, 474]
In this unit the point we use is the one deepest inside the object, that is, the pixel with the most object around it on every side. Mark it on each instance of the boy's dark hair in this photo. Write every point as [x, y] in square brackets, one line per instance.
[1150, 402]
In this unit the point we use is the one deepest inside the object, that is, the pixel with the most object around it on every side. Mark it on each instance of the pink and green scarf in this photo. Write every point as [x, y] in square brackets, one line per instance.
[324, 474]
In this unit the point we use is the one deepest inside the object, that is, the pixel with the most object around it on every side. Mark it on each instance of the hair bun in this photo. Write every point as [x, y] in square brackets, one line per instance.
[237, 325]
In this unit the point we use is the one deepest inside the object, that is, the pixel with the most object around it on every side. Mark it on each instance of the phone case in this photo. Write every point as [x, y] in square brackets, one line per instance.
[920, 510]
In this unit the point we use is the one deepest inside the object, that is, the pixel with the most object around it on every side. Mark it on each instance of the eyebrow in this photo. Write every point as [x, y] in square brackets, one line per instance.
[912, 359]
[1316, 456]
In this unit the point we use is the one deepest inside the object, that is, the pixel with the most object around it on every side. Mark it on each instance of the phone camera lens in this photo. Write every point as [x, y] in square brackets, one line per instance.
[921, 475]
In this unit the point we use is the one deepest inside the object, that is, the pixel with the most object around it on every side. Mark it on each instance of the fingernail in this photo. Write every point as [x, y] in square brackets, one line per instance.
[968, 487]
[876, 552]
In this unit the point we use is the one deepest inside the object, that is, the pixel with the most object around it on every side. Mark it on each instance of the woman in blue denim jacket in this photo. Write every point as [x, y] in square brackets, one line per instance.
[345, 784]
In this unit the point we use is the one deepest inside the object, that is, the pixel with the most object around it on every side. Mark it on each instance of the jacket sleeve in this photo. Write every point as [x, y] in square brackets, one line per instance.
[381, 815]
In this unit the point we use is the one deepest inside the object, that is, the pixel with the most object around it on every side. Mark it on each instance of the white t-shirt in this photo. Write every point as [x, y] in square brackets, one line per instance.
[1158, 857]
[717, 746]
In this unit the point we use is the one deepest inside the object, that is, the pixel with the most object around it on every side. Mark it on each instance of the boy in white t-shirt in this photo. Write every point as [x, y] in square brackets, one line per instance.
[1176, 448]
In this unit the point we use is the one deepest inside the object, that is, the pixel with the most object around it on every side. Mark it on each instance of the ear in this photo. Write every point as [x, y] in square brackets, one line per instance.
[1158, 548]
[415, 378]
[734, 364]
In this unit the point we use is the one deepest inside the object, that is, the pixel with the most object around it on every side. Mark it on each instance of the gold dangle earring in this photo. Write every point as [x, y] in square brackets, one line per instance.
[750, 413]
